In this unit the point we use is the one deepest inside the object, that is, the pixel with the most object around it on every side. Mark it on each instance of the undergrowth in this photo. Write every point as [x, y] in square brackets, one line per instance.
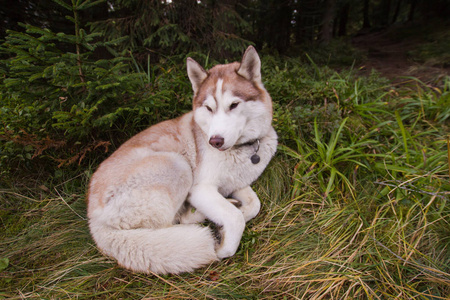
[355, 206]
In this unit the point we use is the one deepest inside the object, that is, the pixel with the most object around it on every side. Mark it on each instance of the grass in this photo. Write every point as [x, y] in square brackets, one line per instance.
[354, 206]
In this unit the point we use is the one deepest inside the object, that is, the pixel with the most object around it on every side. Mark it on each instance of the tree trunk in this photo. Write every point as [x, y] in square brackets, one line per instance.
[396, 12]
[412, 8]
[343, 19]
[386, 9]
[284, 27]
[366, 22]
[327, 22]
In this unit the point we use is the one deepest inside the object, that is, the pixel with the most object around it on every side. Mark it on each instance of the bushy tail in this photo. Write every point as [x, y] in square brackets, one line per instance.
[177, 249]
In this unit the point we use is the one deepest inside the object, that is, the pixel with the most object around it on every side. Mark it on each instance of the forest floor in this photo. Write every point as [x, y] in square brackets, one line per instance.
[391, 53]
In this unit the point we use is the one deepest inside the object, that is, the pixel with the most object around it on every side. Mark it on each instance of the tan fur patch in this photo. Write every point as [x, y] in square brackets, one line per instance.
[238, 85]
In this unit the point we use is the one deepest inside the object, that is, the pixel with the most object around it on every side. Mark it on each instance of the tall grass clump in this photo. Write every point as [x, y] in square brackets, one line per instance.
[376, 178]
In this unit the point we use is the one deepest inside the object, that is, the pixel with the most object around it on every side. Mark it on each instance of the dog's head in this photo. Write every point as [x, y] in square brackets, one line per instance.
[230, 104]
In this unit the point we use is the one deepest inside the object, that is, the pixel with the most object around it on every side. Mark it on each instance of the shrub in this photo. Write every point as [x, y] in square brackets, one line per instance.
[56, 97]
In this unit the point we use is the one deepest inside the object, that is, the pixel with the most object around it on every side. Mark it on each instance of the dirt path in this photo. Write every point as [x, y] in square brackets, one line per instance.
[390, 58]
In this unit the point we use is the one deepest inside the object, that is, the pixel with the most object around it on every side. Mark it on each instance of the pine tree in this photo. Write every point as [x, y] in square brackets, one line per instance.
[54, 95]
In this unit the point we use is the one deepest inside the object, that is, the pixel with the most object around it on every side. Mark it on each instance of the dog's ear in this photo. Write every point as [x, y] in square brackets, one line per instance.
[250, 65]
[196, 74]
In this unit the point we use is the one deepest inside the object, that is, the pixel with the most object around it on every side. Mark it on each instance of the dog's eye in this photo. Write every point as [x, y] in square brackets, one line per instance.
[234, 105]
[208, 108]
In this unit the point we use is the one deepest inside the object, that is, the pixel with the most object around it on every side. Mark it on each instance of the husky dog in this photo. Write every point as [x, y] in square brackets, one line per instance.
[145, 200]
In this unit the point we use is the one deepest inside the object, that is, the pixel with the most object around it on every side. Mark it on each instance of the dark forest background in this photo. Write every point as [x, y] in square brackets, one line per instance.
[222, 28]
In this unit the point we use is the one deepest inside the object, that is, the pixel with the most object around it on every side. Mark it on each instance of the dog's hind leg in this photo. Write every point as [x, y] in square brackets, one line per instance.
[151, 195]
[249, 202]
[191, 216]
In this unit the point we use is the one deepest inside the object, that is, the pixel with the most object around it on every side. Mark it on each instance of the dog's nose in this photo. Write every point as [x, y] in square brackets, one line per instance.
[216, 141]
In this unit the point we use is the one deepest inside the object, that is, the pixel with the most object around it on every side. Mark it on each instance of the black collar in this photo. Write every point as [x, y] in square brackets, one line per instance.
[250, 143]
[255, 158]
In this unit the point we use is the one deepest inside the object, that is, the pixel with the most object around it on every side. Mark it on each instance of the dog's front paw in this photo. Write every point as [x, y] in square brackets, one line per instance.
[249, 203]
[223, 249]
[224, 252]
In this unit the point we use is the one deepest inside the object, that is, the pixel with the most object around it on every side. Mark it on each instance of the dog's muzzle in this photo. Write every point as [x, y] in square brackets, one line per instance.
[216, 141]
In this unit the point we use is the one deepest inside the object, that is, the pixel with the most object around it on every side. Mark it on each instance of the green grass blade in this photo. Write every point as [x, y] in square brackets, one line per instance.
[404, 134]
[333, 141]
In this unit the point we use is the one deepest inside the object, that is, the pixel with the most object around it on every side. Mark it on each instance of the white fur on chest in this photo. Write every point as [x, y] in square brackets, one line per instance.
[233, 169]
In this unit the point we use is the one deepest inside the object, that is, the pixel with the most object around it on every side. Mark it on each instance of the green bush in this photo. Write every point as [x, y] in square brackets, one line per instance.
[60, 103]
